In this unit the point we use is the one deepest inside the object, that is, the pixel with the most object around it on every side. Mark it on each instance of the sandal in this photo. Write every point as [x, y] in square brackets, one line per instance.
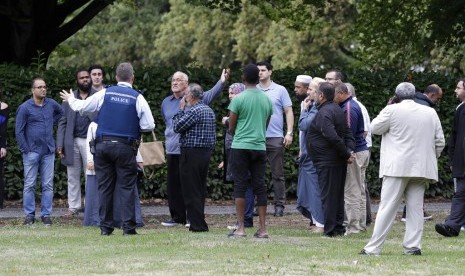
[261, 236]
[233, 234]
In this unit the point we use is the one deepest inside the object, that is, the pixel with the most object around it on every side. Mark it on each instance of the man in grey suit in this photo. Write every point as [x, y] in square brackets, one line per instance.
[412, 140]
[71, 142]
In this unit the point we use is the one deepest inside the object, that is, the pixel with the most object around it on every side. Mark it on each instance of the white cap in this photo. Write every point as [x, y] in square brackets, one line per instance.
[303, 79]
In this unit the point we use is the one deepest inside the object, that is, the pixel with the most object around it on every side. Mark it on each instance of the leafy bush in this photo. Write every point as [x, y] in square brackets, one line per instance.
[373, 89]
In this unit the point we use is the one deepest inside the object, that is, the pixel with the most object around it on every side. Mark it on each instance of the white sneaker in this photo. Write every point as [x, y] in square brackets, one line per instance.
[188, 224]
[462, 228]
[233, 227]
[169, 223]
[427, 216]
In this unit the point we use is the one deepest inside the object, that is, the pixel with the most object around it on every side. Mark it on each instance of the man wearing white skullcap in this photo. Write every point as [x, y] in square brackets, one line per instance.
[301, 86]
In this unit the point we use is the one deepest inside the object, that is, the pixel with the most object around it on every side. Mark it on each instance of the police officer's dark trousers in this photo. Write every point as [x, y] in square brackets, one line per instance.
[116, 168]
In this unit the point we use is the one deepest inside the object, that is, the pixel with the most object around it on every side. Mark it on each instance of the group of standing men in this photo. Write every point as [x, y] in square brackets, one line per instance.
[123, 114]
[334, 150]
[334, 153]
[182, 136]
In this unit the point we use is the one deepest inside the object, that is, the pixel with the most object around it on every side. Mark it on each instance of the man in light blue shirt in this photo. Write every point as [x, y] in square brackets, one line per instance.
[275, 140]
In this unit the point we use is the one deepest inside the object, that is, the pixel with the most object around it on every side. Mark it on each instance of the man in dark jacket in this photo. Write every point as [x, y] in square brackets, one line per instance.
[431, 96]
[451, 227]
[71, 142]
[330, 144]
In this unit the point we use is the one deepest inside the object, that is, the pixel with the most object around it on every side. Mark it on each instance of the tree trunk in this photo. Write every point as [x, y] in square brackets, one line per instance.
[32, 29]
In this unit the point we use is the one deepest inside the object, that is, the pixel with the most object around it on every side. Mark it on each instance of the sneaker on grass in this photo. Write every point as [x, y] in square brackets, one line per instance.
[47, 221]
[169, 223]
[29, 220]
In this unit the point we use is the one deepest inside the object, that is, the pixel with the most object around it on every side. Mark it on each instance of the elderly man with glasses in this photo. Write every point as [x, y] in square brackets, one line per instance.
[169, 108]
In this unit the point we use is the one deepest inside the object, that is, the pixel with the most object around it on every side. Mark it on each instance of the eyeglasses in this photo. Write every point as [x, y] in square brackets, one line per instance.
[177, 80]
[41, 87]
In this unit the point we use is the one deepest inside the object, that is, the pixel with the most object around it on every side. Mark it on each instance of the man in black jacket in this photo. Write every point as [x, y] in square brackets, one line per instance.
[431, 96]
[451, 227]
[330, 144]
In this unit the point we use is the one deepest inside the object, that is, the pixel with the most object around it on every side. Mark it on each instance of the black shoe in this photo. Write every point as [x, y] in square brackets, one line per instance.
[446, 230]
[414, 252]
[278, 211]
[105, 233]
[129, 232]
[47, 221]
[29, 221]
[334, 234]
[364, 252]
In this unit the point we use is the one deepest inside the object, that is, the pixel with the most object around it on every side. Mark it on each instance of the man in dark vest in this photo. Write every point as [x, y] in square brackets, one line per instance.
[123, 114]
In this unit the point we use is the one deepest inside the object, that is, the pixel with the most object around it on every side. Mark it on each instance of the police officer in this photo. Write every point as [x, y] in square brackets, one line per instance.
[123, 114]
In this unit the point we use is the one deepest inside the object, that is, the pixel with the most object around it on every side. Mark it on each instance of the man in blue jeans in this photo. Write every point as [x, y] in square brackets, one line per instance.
[35, 119]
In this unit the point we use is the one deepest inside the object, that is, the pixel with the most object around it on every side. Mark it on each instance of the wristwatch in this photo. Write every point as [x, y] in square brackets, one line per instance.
[289, 133]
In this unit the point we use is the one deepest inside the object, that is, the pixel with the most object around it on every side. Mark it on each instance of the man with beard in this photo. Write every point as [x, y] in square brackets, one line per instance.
[71, 142]
[300, 88]
[330, 144]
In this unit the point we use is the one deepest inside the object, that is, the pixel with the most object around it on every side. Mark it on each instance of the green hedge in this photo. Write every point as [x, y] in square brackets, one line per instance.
[373, 89]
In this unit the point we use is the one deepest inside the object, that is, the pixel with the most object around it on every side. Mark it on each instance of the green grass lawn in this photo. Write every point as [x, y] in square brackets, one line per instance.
[66, 248]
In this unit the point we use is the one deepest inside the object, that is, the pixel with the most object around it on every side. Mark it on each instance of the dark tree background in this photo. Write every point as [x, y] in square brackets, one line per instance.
[33, 28]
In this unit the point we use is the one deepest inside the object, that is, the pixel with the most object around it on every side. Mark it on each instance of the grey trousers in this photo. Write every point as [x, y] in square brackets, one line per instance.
[74, 173]
[392, 191]
[275, 155]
